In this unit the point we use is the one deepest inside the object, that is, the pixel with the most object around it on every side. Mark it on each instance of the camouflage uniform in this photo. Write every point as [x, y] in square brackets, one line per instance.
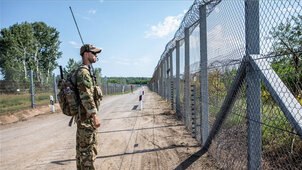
[86, 139]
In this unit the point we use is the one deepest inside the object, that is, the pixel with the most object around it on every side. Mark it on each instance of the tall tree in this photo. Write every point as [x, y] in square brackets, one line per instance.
[71, 66]
[287, 49]
[46, 49]
[16, 46]
[28, 46]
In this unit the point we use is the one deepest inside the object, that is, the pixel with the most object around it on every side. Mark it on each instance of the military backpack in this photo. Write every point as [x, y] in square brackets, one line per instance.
[68, 96]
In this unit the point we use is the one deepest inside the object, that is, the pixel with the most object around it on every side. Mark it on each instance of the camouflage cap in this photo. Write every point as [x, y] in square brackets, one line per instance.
[89, 48]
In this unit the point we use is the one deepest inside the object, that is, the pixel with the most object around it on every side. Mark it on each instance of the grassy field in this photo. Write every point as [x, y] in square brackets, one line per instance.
[13, 102]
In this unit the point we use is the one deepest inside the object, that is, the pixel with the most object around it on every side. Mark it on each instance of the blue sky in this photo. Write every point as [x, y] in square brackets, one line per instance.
[133, 34]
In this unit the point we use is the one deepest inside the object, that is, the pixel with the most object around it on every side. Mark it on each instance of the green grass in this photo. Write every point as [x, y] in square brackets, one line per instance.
[11, 102]
[274, 117]
[271, 115]
[15, 102]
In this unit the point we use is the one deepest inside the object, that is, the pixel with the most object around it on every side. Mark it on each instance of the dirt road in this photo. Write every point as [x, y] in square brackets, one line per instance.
[128, 139]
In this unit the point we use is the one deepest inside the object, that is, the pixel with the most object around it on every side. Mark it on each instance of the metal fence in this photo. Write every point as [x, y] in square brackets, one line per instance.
[237, 74]
[20, 90]
[113, 88]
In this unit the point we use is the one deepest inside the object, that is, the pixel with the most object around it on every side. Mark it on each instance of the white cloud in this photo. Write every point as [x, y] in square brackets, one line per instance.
[92, 11]
[194, 38]
[130, 61]
[170, 24]
[216, 37]
[142, 61]
[104, 61]
[86, 18]
[194, 41]
[128, 65]
[75, 44]
[120, 60]
[220, 44]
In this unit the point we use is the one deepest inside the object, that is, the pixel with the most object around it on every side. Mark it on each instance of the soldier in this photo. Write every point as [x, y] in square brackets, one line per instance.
[87, 120]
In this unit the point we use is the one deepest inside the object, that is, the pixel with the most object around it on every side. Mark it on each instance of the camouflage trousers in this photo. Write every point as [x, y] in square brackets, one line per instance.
[86, 145]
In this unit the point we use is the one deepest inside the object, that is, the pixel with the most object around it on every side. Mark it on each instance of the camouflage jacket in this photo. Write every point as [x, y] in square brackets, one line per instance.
[86, 91]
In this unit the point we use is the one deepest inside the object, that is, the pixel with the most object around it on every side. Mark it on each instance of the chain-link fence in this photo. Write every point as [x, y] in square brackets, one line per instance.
[19, 90]
[239, 85]
[113, 88]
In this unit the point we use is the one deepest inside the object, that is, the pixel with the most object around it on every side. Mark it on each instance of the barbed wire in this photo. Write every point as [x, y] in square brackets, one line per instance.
[190, 20]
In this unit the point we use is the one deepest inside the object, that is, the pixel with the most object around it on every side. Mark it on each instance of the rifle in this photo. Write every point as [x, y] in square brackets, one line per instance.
[61, 72]
[61, 83]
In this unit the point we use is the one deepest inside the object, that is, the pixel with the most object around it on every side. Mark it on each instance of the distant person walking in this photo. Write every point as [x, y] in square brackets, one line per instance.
[87, 120]
[131, 86]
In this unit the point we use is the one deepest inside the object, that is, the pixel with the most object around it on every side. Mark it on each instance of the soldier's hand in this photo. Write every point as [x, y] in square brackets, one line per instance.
[96, 121]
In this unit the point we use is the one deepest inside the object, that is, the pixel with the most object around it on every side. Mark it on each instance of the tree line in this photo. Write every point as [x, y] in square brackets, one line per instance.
[72, 65]
[129, 80]
[29, 46]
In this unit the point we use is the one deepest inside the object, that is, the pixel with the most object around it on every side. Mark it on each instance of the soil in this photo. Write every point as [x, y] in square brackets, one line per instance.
[27, 113]
[128, 138]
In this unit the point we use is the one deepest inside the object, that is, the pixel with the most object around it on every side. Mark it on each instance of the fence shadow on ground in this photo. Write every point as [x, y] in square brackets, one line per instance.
[123, 130]
[130, 117]
[61, 162]
[189, 161]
